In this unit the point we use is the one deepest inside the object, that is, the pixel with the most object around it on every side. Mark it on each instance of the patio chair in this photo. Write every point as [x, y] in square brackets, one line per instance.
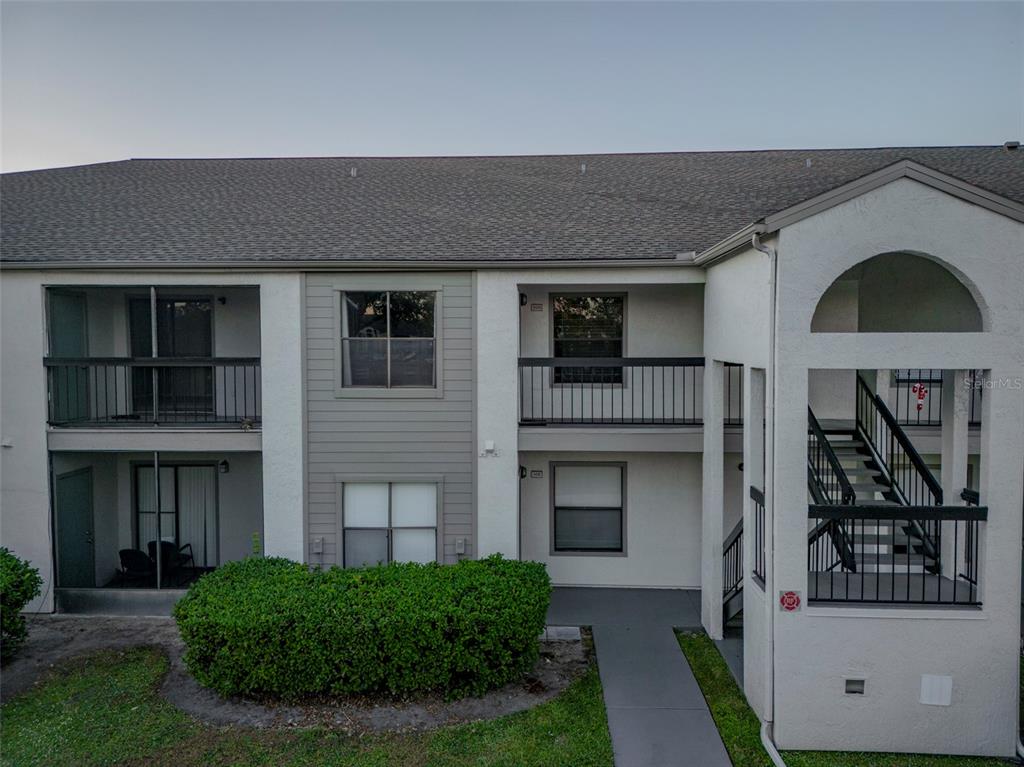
[173, 559]
[136, 566]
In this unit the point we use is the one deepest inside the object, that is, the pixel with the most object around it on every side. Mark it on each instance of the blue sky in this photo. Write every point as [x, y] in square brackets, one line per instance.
[87, 82]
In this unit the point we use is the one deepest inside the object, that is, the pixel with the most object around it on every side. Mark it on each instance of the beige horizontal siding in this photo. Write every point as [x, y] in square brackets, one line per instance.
[392, 436]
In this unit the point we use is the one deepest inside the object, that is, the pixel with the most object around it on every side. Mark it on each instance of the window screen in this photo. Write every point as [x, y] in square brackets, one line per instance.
[388, 339]
[389, 522]
[588, 504]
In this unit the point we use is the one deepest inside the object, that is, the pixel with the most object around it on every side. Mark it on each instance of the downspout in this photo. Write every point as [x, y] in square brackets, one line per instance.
[767, 726]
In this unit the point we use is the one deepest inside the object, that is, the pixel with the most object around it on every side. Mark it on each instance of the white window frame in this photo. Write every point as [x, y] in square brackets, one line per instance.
[390, 479]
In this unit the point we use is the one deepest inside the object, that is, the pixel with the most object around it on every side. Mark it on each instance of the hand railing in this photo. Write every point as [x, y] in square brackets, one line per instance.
[126, 391]
[894, 566]
[912, 480]
[826, 473]
[757, 496]
[610, 390]
[732, 562]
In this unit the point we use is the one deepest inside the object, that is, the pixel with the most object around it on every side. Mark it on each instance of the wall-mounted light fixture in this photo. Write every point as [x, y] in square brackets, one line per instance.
[224, 467]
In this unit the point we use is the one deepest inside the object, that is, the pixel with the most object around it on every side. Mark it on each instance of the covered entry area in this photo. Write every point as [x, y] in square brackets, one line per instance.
[132, 530]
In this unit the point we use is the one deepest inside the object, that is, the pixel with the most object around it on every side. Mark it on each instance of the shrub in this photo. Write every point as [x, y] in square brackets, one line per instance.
[19, 584]
[272, 626]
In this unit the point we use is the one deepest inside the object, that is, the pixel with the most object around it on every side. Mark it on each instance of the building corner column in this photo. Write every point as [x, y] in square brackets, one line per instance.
[712, 499]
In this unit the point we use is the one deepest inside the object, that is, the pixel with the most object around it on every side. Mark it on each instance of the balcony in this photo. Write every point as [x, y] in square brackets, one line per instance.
[614, 391]
[153, 391]
[145, 356]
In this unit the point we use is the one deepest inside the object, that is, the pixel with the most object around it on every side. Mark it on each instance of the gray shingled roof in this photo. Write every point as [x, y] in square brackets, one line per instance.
[625, 206]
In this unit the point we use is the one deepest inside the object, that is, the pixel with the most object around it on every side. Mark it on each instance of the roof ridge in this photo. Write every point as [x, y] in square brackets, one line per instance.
[550, 155]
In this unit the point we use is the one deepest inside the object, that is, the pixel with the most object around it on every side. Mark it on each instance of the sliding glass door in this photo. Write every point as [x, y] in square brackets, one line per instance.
[184, 328]
[187, 513]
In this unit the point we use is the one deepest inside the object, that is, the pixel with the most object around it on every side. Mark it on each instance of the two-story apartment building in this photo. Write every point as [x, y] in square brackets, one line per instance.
[793, 380]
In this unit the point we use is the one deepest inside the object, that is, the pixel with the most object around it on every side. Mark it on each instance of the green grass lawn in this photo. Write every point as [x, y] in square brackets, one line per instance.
[104, 710]
[741, 730]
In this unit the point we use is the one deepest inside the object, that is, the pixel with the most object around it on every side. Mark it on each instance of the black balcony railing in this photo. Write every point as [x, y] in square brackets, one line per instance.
[890, 562]
[634, 391]
[917, 397]
[119, 391]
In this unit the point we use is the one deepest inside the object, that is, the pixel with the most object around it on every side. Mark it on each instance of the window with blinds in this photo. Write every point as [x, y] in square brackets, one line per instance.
[588, 326]
[588, 507]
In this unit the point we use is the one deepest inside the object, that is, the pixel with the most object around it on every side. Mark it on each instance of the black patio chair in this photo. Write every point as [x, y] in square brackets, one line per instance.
[136, 566]
[173, 559]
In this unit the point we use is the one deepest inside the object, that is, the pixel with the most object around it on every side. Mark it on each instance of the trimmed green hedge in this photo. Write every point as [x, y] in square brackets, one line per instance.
[273, 626]
[19, 584]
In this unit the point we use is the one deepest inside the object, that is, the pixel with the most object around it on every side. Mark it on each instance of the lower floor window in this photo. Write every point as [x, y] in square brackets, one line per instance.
[389, 522]
[588, 507]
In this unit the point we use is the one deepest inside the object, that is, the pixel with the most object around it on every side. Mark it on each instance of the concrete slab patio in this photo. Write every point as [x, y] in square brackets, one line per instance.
[657, 714]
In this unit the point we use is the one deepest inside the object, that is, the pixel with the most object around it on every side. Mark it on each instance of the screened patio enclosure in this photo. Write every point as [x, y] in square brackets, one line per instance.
[148, 356]
[152, 521]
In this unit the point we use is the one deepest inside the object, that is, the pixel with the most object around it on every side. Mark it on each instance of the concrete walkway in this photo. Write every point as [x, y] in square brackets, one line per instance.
[657, 714]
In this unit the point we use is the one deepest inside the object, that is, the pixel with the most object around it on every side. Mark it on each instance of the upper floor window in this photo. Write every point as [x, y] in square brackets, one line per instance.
[588, 326]
[389, 339]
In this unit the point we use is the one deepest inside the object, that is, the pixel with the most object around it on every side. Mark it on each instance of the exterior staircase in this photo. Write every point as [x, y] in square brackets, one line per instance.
[882, 547]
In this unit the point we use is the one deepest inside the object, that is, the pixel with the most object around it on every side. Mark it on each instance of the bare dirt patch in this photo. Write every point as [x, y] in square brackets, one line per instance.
[55, 638]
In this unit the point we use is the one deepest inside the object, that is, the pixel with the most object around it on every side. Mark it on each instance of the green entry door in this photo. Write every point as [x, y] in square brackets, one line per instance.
[76, 557]
[69, 384]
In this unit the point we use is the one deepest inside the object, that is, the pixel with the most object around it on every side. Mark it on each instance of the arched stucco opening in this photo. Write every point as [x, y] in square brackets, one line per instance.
[897, 293]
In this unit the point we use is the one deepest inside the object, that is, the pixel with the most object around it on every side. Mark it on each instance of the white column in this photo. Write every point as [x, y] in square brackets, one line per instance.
[954, 414]
[713, 495]
[497, 414]
[1002, 491]
[753, 454]
[281, 307]
[24, 470]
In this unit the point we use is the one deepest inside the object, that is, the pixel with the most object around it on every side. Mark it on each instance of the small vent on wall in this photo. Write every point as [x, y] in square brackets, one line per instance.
[854, 686]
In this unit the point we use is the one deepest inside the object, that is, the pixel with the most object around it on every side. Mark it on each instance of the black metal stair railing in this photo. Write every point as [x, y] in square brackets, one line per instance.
[828, 485]
[912, 482]
[826, 472]
[732, 563]
[757, 496]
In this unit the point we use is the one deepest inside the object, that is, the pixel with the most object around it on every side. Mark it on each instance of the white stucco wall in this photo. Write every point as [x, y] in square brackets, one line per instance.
[662, 522]
[817, 648]
[737, 309]
[24, 490]
[496, 319]
[660, 320]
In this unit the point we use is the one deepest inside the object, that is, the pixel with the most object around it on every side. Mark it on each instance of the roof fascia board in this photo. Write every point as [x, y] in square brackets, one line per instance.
[333, 266]
[822, 202]
[902, 169]
[730, 245]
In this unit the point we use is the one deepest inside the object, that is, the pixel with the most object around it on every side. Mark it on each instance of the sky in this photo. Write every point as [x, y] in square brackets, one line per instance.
[90, 82]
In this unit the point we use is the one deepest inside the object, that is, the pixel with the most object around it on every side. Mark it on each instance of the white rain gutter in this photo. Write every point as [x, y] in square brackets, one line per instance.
[767, 725]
